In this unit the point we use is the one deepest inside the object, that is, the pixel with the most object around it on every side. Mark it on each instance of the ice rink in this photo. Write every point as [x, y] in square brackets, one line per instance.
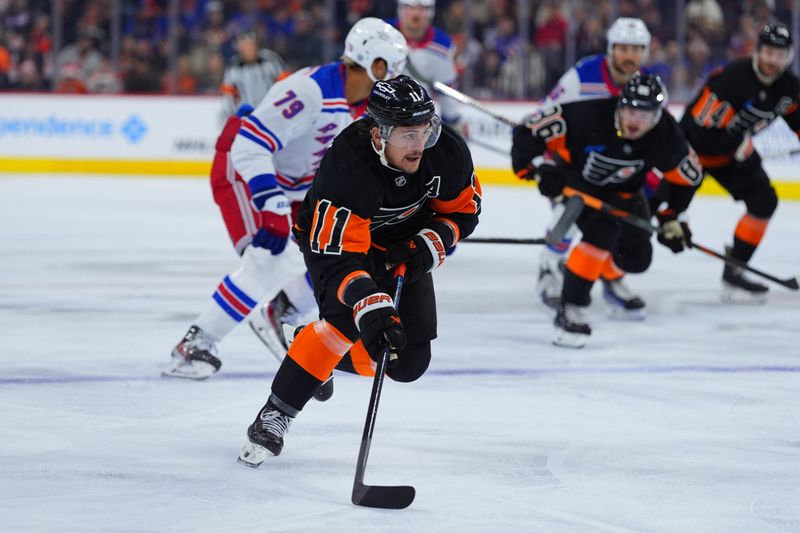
[688, 421]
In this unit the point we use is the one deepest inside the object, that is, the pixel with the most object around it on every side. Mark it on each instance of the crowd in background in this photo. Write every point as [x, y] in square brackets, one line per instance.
[493, 58]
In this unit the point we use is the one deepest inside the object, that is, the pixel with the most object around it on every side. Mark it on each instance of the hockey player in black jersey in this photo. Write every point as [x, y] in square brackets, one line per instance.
[737, 102]
[395, 187]
[605, 148]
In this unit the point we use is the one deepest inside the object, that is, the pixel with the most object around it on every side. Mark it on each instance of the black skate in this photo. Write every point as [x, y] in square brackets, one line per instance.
[622, 302]
[736, 288]
[194, 357]
[265, 435]
[572, 328]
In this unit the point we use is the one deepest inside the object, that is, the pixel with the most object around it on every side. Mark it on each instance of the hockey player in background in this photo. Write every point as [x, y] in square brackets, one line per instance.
[276, 151]
[249, 74]
[431, 55]
[395, 187]
[736, 103]
[597, 76]
[609, 160]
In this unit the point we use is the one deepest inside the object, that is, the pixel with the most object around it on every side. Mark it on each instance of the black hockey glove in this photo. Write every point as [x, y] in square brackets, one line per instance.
[674, 234]
[379, 324]
[551, 179]
[421, 253]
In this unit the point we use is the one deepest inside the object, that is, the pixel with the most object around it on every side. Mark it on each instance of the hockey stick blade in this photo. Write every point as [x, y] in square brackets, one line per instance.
[573, 206]
[383, 497]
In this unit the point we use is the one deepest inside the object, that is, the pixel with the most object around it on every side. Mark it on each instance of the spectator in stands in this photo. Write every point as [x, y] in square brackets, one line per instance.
[551, 37]
[304, 47]
[83, 53]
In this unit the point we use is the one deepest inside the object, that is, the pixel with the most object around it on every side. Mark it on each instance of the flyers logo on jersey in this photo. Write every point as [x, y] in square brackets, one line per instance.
[602, 170]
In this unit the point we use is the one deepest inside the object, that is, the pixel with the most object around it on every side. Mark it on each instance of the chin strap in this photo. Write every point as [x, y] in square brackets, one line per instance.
[382, 156]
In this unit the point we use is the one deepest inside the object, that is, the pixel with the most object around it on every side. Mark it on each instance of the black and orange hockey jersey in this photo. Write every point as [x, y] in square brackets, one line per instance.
[357, 206]
[582, 137]
[732, 103]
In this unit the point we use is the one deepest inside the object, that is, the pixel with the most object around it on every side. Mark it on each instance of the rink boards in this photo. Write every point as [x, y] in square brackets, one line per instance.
[161, 135]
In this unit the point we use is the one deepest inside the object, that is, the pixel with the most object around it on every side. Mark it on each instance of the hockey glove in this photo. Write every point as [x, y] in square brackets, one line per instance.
[674, 234]
[421, 253]
[551, 180]
[379, 324]
[275, 223]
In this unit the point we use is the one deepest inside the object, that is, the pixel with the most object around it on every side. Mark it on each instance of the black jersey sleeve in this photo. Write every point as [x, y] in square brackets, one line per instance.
[677, 161]
[545, 130]
[457, 205]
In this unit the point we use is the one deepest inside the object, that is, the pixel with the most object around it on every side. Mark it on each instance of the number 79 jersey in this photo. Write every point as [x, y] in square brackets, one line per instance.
[283, 140]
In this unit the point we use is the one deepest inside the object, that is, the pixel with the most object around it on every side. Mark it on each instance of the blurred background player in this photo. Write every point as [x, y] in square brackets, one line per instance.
[629, 136]
[596, 76]
[249, 74]
[276, 151]
[431, 55]
[736, 103]
[396, 187]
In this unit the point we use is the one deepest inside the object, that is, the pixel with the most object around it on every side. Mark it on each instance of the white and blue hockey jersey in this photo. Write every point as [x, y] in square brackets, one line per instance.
[433, 59]
[589, 78]
[283, 140]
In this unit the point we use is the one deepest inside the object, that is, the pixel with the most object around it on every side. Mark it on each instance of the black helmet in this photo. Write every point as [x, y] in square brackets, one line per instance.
[643, 91]
[774, 35]
[400, 101]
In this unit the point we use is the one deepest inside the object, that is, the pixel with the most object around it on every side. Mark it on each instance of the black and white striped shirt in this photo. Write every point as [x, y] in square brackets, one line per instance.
[247, 83]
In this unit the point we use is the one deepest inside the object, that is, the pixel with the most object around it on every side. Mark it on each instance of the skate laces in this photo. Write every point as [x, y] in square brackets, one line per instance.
[574, 314]
[619, 289]
[275, 422]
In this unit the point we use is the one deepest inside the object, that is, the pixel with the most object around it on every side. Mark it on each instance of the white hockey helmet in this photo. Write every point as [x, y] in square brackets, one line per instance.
[430, 4]
[370, 39]
[628, 30]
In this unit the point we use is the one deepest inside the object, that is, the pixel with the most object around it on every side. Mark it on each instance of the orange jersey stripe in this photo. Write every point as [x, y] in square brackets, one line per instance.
[352, 276]
[587, 260]
[751, 229]
[356, 236]
[453, 227]
[559, 146]
[463, 203]
[714, 161]
[318, 348]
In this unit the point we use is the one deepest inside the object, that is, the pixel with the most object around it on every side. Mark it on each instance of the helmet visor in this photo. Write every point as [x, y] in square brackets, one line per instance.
[409, 138]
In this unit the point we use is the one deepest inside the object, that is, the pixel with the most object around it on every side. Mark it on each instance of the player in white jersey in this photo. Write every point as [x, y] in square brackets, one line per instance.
[597, 76]
[249, 74]
[431, 53]
[277, 150]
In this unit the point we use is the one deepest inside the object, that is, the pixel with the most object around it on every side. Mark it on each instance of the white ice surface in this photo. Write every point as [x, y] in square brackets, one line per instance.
[689, 421]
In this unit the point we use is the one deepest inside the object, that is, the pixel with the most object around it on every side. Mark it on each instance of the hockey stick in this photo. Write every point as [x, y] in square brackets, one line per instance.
[573, 206]
[468, 100]
[383, 497]
[487, 146]
[599, 205]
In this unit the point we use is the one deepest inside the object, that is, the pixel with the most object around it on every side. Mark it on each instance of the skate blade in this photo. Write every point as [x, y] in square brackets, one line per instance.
[197, 371]
[565, 339]
[736, 296]
[253, 455]
[626, 315]
[267, 336]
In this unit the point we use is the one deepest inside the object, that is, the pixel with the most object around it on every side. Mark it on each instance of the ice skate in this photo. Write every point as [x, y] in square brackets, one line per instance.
[623, 304]
[551, 279]
[738, 289]
[265, 435]
[269, 322]
[195, 357]
[572, 328]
